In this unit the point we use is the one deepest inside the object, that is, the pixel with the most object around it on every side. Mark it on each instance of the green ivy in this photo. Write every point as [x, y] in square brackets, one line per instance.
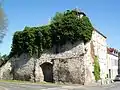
[64, 27]
[68, 27]
[31, 40]
[96, 69]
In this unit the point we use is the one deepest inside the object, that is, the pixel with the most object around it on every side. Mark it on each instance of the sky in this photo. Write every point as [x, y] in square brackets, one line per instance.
[103, 14]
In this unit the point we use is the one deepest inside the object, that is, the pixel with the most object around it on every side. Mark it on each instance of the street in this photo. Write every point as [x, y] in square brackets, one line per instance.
[21, 86]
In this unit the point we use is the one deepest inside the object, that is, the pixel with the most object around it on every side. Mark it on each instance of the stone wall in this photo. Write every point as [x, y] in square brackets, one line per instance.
[68, 66]
[88, 61]
[69, 70]
[69, 60]
[22, 67]
[5, 71]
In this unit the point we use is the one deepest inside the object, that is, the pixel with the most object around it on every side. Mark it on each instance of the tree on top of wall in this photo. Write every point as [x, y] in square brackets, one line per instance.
[65, 26]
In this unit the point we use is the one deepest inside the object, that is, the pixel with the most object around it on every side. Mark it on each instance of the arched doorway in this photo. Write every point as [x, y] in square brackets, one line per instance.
[47, 69]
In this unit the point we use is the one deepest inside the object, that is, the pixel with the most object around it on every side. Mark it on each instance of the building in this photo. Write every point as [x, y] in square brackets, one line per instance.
[96, 47]
[74, 63]
[119, 63]
[112, 57]
[100, 44]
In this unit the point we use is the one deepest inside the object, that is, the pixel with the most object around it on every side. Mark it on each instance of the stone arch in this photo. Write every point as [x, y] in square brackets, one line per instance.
[47, 69]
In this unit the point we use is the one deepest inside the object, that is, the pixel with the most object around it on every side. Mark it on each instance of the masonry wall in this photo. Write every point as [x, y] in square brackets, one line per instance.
[69, 65]
[100, 48]
[5, 72]
[89, 63]
[69, 70]
[22, 67]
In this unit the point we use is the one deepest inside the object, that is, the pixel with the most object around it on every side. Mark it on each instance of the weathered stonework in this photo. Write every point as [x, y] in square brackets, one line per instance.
[22, 67]
[89, 63]
[5, 71]
[69, 70]
[67, 66]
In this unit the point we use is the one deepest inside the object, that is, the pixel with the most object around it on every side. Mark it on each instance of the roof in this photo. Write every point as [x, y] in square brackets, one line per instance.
[112, 51]
[100, 33]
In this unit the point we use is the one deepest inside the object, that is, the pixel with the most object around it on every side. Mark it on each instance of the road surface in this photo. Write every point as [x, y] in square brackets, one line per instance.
[20, 86]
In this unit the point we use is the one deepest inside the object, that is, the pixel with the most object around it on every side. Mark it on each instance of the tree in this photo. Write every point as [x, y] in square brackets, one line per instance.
[3, 23]
[3, 59]
[68, 26]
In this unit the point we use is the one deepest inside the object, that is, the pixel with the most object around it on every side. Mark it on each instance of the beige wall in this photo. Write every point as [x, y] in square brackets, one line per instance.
[112, 65]
[100, 48]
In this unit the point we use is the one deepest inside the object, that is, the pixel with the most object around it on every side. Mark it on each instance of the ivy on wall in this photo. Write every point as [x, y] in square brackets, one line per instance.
[66, 26]
[96, 69]
[31, 40]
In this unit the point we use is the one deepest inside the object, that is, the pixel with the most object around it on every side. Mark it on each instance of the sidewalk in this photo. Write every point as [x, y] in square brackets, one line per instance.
[2, 88]
[103, 83]
[74, 87]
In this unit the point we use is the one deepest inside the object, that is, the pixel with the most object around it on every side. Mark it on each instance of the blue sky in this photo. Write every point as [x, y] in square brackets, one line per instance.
[104, 15]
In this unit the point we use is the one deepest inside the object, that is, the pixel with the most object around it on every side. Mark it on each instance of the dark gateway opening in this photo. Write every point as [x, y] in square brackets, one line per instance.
[47, 69]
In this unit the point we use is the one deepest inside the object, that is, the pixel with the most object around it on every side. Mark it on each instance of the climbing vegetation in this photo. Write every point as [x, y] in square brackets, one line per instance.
[96, 69]
[66, 26]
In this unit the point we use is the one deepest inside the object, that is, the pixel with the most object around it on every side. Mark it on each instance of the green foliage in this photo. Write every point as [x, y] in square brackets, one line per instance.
[3, 59]
[68, 26]
[64, 27]
[31, 40]
[96, 69]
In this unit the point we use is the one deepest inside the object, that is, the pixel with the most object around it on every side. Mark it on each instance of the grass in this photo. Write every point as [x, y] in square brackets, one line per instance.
[26, 82]
[38, 83]
[15, 81]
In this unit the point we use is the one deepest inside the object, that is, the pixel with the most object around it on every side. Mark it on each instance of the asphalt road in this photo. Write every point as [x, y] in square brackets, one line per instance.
[113, 86]
[20, 86]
